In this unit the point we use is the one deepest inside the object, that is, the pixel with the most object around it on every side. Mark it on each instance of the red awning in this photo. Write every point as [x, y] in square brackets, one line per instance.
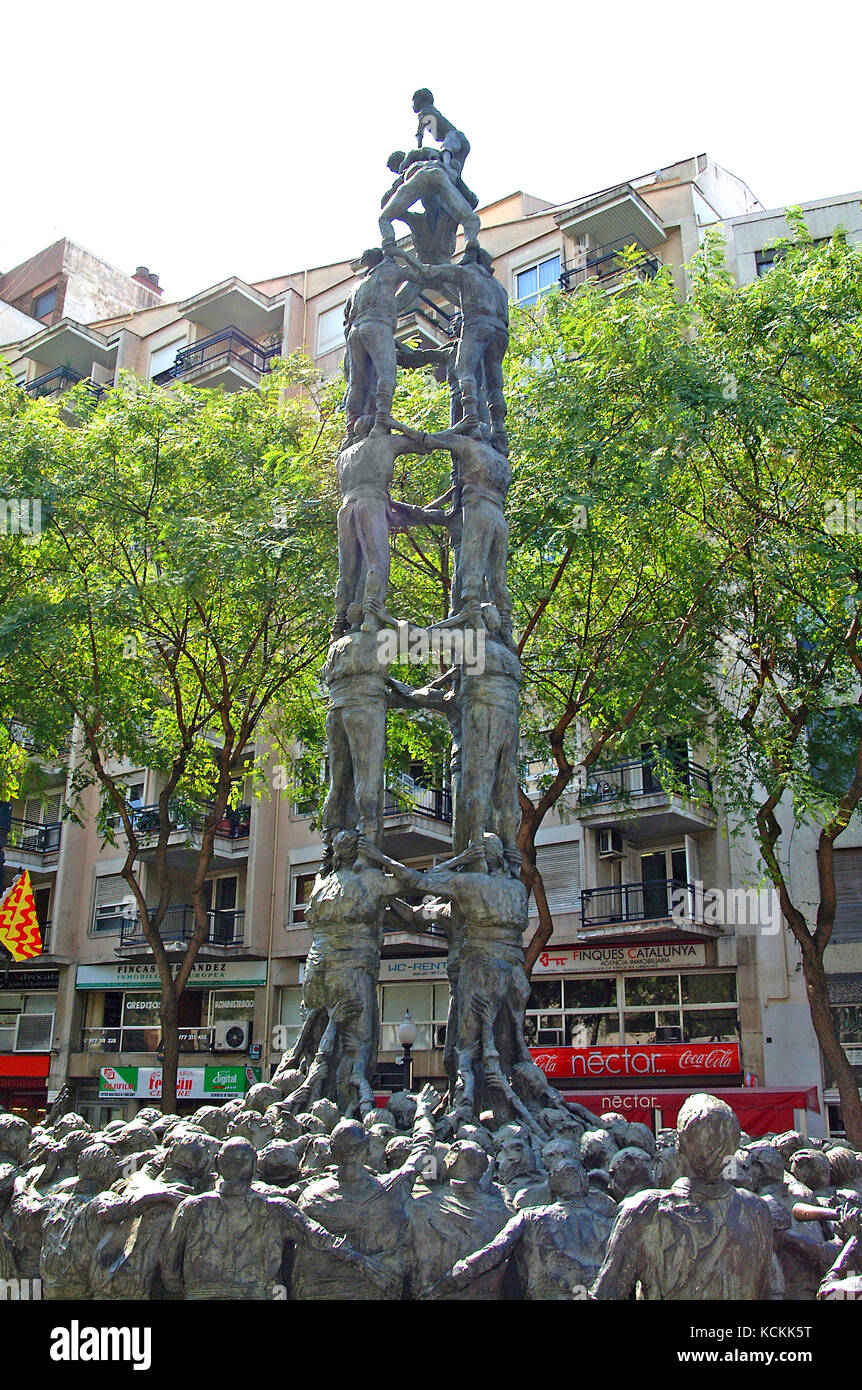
[759, 1110]
[24, 1064]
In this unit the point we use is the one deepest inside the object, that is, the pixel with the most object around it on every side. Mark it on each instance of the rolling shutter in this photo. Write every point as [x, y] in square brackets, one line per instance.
[848, 895]
[560, 867]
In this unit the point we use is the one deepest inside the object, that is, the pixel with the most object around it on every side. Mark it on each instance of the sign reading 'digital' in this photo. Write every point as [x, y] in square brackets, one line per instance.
[193, 1083]
[638, 1061]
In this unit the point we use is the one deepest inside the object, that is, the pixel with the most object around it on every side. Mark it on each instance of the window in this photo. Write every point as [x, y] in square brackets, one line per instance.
[43, 303]
[560, 867]
[113, 900]
[612, 1009]
[27, 1022]
[290, 1014]
[429, 1008]
[330, 330]
[134, 789]
[161, 358]
[766, 258]
[300, 891]
[536, 280]
[226, 918]
[847, 864]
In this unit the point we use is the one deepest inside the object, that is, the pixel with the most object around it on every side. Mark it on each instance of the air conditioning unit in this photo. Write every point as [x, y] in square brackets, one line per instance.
[232, 1035]
[35, 1033]
[611, 844]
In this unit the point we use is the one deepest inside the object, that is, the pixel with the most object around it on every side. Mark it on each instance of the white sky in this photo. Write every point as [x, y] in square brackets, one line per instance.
[206, 139]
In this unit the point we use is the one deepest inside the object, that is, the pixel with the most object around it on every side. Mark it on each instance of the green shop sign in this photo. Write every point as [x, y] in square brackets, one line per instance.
[193, 1083]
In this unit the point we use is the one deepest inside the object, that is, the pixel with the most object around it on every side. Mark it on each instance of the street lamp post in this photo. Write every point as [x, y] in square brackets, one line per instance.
[407, 1037]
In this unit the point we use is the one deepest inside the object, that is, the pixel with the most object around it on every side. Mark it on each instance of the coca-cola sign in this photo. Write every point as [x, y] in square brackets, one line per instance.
[640, 1060]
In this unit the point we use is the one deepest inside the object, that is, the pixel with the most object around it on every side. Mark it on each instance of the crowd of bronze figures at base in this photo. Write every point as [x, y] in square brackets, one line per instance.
[259, 1199]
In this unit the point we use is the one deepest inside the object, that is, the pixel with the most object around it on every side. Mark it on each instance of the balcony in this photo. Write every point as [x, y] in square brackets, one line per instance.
[229, 359]
[52, 383]
[610, 266]
[652, 909]
[428, 322]
[186, 830]
[616, 214]
[225, 931]
[417, 820]
[115, 1040]
[32, 845]
[631, 795]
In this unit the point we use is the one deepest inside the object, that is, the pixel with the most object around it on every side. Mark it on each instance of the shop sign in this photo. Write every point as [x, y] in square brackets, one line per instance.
[193, 1083]
[421, 968]
[639, 1061]
[28, 981]
[206, 974]
[588, 960]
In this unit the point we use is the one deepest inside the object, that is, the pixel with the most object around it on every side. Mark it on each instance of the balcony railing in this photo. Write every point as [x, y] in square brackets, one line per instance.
[638, 902]
[230, 343]
[235, 824]
[143, 1039]
[60, 379]
[34, 837]
[225, 927]
[426, 309]
[605, 263]
[640, 777]
[406, 797]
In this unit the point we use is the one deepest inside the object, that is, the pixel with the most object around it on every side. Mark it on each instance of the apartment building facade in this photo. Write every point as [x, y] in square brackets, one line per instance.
[647, 990]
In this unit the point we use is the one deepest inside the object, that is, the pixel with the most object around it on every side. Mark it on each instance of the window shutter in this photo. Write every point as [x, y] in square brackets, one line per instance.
[560, 867]
[112, 889]
[848, 895]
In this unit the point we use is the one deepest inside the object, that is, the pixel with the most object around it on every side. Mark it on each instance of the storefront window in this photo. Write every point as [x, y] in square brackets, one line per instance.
[709, 989]
[710, 1025]
[592, 1030]
[652, 989]
[546, 994]
[590, 994]
[652, 1026]
[613, 1009]
[428, 1005]
[290, 1014]
[229, 1004]
[140, 1022]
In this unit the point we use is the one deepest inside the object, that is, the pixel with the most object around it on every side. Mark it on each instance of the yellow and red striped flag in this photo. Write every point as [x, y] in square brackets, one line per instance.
[19, 930]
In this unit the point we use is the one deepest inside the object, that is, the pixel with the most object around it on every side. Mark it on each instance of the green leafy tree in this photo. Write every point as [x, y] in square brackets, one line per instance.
[781, 462]
[174, 615]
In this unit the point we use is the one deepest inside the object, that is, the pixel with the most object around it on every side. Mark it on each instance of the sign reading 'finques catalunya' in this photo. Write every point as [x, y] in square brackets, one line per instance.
[587, 960]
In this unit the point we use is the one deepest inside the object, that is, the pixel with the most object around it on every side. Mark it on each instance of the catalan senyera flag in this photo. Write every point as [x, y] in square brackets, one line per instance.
[19, 930]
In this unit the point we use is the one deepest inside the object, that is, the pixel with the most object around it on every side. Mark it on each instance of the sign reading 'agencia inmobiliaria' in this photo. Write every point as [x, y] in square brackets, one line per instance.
[193, 1083]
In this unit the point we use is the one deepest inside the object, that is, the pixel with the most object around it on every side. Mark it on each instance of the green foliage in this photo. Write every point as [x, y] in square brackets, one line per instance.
[178, 595]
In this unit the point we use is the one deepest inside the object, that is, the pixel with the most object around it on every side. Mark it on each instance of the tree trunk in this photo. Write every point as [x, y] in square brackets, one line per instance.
[827, 1036]
[170, 1048]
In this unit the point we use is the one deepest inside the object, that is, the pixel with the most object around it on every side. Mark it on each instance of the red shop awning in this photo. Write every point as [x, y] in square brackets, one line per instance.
[17, 1065]
[759, 1110]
